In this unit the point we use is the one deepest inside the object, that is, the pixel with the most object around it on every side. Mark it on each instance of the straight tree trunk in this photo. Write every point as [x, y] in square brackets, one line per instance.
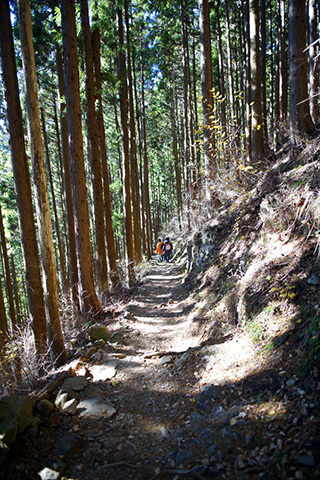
[71, 239]
[256, 104]
[3, 322]
[54, 203]
[133, 149]
[283, 85]
[114, 275]
[89, 302]
[263, 44]
[93, 137]
[55, 337]
[125, 154]
[313, 52]
[146, 172]
[7, 271]
[207, 105]
[22, 181]
[300, 120]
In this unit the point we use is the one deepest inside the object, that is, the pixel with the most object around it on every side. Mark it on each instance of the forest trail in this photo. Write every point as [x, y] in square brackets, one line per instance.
[159, 402]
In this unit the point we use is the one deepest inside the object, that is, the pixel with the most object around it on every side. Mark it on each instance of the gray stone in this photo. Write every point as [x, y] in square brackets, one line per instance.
[220, 416]
[70, 407]
[198, 422]
[16, 414]
[68, 442]
[48, 474]
[188, 453]
[183, 359]
[99, 332]
[101, 373]
[206, 399]
[76, 384]
[166, 359]
[61, 399]
[44, 408]
[96, 408]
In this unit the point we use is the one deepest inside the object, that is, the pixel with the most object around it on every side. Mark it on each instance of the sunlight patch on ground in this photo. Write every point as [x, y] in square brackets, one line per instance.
[229, 361]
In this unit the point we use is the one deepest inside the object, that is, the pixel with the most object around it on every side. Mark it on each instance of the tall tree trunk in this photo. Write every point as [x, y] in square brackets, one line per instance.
[133, 149]
[313, 51]
[230, 70]
[256, 105]
[93, 137]
[87, 295]
[55, 338]
[186, 113]
[283, 86]
[8, 274]
[300, 120]
[263, 37]
[146, 171]
[22, 181]
[3, 321]
[71, 243]
[114, 275]
[207, 105]
[54, 204]
[125, 153]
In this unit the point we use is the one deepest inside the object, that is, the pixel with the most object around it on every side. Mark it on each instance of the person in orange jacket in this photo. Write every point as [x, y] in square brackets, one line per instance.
[159, 250]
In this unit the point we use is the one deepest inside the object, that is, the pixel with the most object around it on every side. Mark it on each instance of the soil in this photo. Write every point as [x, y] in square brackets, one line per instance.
[155, 393]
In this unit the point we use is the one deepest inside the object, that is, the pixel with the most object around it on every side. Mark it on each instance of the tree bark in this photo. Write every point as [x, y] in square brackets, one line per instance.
[256, 105]
[114, 275]
[207, 105]
[8, 274]
[300, 120]
[93, 137]
[89, 302]
[55, 337]
[133, 150]
[22, 181]
[125, 154]
[54, 203]
[313, 52]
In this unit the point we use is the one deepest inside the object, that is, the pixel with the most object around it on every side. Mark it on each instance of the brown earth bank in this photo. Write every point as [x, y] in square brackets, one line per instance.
[167, 400]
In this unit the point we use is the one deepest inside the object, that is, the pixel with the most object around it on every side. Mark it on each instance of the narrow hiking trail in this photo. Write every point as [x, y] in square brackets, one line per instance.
[158, 401]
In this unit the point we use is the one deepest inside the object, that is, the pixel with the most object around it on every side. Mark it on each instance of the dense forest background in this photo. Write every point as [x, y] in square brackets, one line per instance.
[121, 120]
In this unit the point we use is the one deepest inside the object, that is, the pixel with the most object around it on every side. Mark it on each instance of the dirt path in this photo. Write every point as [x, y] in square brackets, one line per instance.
[150, 393]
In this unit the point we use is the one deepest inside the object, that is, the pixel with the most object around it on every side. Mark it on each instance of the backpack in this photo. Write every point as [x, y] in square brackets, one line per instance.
[168, 247]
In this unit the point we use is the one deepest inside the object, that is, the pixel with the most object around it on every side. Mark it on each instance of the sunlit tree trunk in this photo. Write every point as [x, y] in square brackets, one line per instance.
[93, 137]
[22, 181]
[148, 221]
[283, 81]
[300, 120]
[207, 105]
[114, 275]
[54, 203]
[313, 52]
[87, 295]
[133, 149]
[55, 338]
[125, 154]
[71, 239]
